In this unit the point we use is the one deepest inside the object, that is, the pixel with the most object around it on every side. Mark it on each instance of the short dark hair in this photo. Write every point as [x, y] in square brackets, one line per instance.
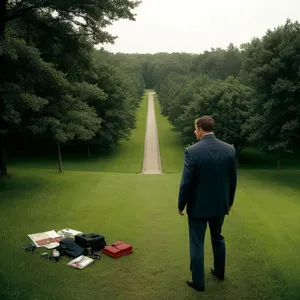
[207, 123]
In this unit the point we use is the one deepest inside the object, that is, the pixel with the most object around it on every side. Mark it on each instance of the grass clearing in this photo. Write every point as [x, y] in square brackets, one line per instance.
[262, 231]
[262, 235]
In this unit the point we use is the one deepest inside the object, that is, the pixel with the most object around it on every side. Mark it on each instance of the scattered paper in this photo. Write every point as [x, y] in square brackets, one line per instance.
[80, 262]
[49, 239]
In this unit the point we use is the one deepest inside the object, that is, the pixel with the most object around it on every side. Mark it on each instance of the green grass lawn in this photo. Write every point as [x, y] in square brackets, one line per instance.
[262, 235]
[262, 231]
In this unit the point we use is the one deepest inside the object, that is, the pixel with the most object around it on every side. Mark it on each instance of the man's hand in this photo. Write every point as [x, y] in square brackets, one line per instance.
[181, 212]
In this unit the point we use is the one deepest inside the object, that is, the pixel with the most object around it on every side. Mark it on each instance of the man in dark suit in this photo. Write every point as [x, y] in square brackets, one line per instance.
[207, 188]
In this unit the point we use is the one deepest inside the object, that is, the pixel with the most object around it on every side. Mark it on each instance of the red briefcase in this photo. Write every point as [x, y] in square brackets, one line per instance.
[117, 249]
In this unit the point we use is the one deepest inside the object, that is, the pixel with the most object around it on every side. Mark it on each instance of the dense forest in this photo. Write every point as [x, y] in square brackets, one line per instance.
[252, 91]
[57, 90]
[54, 90]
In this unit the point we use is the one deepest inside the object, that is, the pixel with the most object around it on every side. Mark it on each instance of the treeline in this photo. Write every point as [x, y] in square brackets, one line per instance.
[54, 88]
[252, 91]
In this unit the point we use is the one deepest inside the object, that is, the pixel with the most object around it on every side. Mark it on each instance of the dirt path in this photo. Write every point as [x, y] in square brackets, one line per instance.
[152, 162]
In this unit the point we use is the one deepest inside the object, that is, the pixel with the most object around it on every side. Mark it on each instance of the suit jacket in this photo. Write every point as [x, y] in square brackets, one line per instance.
[209, 178]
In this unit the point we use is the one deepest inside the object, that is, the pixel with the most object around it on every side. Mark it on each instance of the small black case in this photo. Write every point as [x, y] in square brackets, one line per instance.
[91, 240]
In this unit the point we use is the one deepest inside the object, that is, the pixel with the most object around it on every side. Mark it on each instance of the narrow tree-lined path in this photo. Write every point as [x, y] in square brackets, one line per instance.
[152, 161]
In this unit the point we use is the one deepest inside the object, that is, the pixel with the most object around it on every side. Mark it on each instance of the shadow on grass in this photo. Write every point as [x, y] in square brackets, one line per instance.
[254, 159]
[263, 168]
[97, 162]
[286, 178]
[18, 184]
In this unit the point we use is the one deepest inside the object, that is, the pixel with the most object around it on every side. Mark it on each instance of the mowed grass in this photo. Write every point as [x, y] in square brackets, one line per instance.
[127, 157]
[262, 234]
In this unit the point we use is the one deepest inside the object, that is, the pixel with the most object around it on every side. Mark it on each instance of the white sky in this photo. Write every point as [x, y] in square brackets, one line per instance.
[197, 25]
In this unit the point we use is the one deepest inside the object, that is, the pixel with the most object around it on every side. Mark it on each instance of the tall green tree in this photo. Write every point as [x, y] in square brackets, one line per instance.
[271, 66]
[117, 110]
[25, 87]
[88, 18]
[226, 101]
[218, 63]
[66, 120]
[169, 93]
[165, 64]
[177, 92]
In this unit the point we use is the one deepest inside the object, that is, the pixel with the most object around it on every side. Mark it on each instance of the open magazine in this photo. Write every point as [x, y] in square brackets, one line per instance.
[49, 239]
[80, 262]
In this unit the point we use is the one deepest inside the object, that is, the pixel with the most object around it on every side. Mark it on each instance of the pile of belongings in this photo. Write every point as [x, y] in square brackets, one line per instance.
[83, 248]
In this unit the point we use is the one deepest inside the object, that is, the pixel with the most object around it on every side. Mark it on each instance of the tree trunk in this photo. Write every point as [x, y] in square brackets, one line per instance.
[89, 152]
[59, 158]
[238, 161]
[278, 163]
[2, 18]
[279, 160]
[25, 143]
[3, 167]
[237, 154]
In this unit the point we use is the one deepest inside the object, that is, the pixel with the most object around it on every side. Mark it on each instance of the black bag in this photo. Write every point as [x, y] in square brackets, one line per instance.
[91, 240]
[70, 248]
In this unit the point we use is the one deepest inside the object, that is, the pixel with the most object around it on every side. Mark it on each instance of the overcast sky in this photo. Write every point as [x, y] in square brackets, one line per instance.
[197, 25]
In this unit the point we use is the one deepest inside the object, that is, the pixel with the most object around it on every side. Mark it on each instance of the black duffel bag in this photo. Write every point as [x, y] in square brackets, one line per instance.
[91, 240]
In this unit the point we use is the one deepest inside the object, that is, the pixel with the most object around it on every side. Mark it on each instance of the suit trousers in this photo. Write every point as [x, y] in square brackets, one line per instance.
[197, 229]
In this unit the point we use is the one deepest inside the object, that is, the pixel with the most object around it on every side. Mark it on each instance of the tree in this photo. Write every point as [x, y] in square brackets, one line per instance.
[165, 64]
[271, 66]
[226, 101]
[169, 94]
[87, 18]
[189, 87]
[118, 108]
[25, 92]
[65, 120]
[218, 63]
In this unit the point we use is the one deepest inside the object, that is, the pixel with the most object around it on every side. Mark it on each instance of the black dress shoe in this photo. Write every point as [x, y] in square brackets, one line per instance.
[213, 272]
[190, 283]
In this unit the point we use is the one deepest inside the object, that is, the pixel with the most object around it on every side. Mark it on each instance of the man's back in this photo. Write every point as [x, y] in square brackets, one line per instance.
[209, 178]
[207, 188]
